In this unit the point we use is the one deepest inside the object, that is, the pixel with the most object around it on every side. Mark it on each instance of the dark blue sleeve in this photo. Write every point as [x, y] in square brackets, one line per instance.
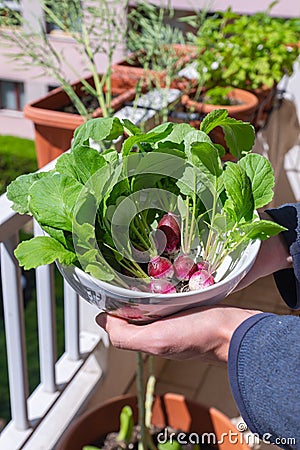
[264, 374]
[288, 280]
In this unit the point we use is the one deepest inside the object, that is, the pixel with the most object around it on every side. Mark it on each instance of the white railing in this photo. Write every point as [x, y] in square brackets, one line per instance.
[41, 417]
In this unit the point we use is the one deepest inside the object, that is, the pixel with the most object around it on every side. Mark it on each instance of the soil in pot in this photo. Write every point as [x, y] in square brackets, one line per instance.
[111, 442]
[170, 411]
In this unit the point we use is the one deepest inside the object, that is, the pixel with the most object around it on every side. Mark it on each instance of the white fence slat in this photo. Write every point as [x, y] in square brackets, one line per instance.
[71, 300]
[15, 332]
[46, 322]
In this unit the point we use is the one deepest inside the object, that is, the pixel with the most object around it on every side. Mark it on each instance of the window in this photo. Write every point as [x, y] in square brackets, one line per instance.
[12, 95]
[10, 11]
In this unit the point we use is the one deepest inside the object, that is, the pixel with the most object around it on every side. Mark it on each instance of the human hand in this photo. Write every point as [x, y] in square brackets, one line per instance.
[200, 332]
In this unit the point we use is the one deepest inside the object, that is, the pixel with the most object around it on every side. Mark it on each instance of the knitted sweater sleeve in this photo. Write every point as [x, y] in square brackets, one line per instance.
[264, 374]
[264, 354]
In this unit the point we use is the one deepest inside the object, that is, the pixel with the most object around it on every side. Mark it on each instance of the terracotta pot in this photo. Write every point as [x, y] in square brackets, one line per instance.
[169, 409]
[54, 128]
[244, 111]
[133, 68]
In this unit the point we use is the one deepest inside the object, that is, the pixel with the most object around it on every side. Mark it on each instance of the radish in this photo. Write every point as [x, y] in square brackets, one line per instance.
[184, 267]
[160, 267]
[169, 225]
[200, 280]
[162, 287]
[203, 265]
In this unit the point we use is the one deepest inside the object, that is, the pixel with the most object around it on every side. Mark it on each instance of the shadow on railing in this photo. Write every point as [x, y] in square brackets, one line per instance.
[64, 384]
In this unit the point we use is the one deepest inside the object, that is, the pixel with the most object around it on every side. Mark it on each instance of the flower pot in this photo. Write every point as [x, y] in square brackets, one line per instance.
[132, 67]
[171, 410]
[142, 307]
[244, 109]
[54, 128]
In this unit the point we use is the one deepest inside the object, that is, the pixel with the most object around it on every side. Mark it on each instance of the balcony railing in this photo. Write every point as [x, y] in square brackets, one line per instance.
[64, 384]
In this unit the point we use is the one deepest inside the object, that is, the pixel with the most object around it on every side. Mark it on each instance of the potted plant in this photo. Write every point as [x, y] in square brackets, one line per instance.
[93, 31]
[197, 424]
[247, 52]
[156, 65]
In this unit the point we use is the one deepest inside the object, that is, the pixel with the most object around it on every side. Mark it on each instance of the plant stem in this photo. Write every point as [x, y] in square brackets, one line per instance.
[192, 225]
[140, 391]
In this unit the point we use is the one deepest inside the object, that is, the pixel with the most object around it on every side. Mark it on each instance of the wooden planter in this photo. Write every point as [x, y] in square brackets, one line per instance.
[170, 409]
[54, 128]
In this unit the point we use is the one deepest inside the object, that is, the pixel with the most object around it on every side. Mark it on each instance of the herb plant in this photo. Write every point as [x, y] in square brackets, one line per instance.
[247, 52]
[161, 217]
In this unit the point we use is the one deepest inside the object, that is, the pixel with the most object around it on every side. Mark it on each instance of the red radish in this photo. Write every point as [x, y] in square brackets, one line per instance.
[160, 267]
[162, 287]
[202, 265]
[200, 280]
[184, 267]
[170, 226]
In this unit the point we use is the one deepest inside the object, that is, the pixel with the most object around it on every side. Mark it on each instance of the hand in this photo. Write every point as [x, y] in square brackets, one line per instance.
[199, 332]
[273, 255]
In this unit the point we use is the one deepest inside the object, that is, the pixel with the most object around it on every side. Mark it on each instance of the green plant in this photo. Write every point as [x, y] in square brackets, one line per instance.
[97, 28]
[248, 52]
[77, 203]
[154, 43]
[218, 96]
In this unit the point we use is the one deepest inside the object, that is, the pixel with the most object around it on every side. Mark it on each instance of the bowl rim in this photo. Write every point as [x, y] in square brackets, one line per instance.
[253, 244]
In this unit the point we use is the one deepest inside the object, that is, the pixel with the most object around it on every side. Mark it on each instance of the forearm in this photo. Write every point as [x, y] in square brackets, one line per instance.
[264, 370]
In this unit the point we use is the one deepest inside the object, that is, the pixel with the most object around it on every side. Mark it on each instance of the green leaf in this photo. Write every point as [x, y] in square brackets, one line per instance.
[87, 162]
[191, 138]
[90, 447]
[261, 229]
[152, 137]
[65, 165]
[126, 424]
[99, 129]
[213, 120]
[239, 192]
[17, 191]
[81, 163]
[191, 182]
[131, 127]
[260, 171]
[179, 132]
[42, 250]
[169, 445]
[208, 154]
[58, 235]
[99, 271]
[52, 200]
[239, 136]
